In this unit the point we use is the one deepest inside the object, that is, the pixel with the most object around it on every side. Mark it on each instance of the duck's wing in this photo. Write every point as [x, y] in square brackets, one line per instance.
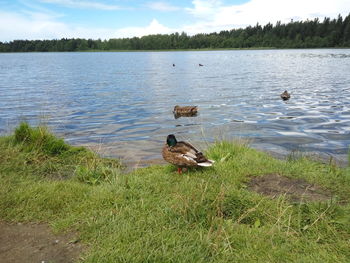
[178, 155]
[185, 149]
[193, 109]
[186, 109]
[189, 151]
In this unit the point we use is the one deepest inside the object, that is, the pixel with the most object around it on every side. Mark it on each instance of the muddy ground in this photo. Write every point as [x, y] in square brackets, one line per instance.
[35, 243]
[296, 190]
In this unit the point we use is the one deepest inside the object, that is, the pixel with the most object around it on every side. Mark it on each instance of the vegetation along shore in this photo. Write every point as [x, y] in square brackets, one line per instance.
[328, 33]
[241, 209]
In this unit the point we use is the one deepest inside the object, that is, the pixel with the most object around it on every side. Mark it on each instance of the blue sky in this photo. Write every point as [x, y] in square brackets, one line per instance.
[52, 19]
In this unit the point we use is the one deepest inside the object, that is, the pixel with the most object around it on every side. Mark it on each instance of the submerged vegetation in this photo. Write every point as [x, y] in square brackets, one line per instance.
[156, 215]
[295, 34]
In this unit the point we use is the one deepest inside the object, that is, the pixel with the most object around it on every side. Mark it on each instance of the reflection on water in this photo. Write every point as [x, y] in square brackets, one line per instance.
[122, 102]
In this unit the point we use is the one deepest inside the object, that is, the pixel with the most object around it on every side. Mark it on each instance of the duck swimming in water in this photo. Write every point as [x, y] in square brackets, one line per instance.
[185, 111]
[182, 154]
[285, 95]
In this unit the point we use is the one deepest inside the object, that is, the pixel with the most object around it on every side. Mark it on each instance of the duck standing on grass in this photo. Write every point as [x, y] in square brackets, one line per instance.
[285, 95]
[182, 154]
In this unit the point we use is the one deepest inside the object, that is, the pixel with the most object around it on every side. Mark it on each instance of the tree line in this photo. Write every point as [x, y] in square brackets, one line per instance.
[295, 34]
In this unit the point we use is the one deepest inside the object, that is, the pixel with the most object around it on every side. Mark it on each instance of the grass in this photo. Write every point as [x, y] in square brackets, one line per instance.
[155, 215]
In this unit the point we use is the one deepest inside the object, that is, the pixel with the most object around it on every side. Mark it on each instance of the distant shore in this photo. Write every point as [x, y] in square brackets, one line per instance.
[295, 34]
[178, 50]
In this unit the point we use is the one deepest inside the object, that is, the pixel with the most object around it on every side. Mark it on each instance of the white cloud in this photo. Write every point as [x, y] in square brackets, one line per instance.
[162, 6]
[41, 26]
[204, 8]
[153, 28]
[209, 15]
[83, 4]
[214, 16]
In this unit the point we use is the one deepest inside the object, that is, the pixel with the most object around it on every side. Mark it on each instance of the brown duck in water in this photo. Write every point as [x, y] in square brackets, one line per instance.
[285, 95]
[185, 111]
[182, 154]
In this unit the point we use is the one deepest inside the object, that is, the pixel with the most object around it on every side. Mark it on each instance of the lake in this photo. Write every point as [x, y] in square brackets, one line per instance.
[120, 103]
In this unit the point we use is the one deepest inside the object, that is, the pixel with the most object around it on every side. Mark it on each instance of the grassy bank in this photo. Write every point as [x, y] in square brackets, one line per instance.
[155, 215]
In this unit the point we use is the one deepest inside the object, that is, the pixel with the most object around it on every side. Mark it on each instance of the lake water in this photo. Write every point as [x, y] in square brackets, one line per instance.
[121, 103]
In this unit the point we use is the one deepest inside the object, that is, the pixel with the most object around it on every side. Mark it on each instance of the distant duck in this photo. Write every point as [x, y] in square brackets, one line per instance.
[182, 154]
[173, 65]
[285, 95]
[201, 65]
[185, 111]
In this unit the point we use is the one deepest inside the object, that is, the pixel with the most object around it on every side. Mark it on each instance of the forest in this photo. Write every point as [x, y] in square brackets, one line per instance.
[328, 33]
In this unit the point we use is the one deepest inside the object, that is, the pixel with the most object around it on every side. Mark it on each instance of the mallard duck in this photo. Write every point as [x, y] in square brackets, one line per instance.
[183, 110]
[182, 154]
[285, 95]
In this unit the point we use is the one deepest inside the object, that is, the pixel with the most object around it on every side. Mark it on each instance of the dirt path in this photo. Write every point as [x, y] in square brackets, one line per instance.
[297, 190]
[36, 243]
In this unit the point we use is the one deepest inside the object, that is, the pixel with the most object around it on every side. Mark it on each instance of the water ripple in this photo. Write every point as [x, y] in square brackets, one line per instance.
[123, 101]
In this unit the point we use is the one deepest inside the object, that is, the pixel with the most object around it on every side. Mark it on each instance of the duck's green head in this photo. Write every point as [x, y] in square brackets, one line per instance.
[171, 140]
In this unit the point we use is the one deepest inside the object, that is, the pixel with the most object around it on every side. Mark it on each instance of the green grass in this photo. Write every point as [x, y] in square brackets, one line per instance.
[156, 215]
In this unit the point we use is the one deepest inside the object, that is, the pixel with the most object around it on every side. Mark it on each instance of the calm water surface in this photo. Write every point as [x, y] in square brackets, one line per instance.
[121, 103]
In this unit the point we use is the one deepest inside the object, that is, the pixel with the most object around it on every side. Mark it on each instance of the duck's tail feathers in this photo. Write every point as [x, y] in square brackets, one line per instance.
[207, 163]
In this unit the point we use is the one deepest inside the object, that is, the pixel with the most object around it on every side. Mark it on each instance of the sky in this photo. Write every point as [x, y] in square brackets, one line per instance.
[105, 19]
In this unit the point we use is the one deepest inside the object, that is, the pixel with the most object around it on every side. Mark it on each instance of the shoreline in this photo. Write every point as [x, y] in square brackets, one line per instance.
[146, 161]
[178, 50]
[248, 197]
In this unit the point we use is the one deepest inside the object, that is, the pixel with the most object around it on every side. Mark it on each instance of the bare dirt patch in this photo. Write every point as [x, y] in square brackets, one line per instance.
[36, 243]
[296, 190]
